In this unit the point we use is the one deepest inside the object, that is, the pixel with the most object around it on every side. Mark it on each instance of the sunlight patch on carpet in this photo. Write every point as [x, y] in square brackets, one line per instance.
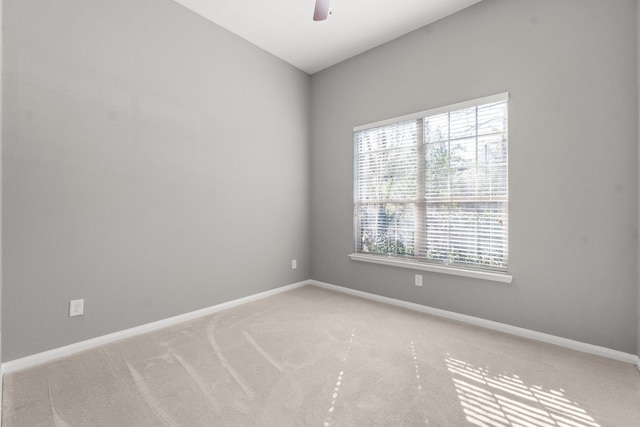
[501, 400]
[336, 390]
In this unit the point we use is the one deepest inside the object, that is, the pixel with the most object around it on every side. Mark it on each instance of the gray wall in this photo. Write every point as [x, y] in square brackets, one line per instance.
[1, 87]
[154, 164]
[569, 67]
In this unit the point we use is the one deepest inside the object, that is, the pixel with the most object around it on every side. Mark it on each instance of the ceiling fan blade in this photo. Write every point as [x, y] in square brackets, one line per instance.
[322, 10]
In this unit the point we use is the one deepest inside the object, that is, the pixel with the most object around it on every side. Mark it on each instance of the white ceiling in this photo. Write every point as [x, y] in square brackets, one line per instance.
[286, 28]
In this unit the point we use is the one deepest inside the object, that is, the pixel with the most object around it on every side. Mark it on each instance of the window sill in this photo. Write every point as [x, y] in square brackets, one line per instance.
[485, 275]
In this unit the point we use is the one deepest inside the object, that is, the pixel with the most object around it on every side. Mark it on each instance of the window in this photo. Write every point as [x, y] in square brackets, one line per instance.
[431, 188]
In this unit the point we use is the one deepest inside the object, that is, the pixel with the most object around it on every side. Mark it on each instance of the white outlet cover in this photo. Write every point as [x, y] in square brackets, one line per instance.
[294, 264]
[76, 307]
[418, 279]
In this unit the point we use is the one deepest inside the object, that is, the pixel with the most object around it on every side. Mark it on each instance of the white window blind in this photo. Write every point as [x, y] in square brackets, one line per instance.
[432, 187]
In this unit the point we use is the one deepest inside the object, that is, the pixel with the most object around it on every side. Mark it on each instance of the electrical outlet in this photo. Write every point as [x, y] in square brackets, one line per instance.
[418, 279]
[294, 264]
[76, 307]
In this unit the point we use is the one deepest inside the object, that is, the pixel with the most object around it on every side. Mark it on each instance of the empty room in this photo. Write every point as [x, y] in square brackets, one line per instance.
[320, 213]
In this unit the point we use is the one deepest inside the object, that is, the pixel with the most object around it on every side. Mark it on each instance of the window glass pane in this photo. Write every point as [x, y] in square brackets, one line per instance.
[387, 228]
[437, 169]
[492, 119]
[462, 123]
[436, 128]
[396, 135]
[387, 174]
[463, 153]
[469, 233]
[492, 166]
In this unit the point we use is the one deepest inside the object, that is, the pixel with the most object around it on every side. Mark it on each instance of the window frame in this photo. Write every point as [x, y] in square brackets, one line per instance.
[423, 263]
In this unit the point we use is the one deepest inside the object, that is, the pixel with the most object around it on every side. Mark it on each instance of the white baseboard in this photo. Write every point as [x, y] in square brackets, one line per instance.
[47, 356]
[1, 386]
[496, 326]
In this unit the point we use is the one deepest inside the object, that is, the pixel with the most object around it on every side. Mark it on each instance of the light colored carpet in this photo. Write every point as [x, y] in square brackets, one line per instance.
[321, 358]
